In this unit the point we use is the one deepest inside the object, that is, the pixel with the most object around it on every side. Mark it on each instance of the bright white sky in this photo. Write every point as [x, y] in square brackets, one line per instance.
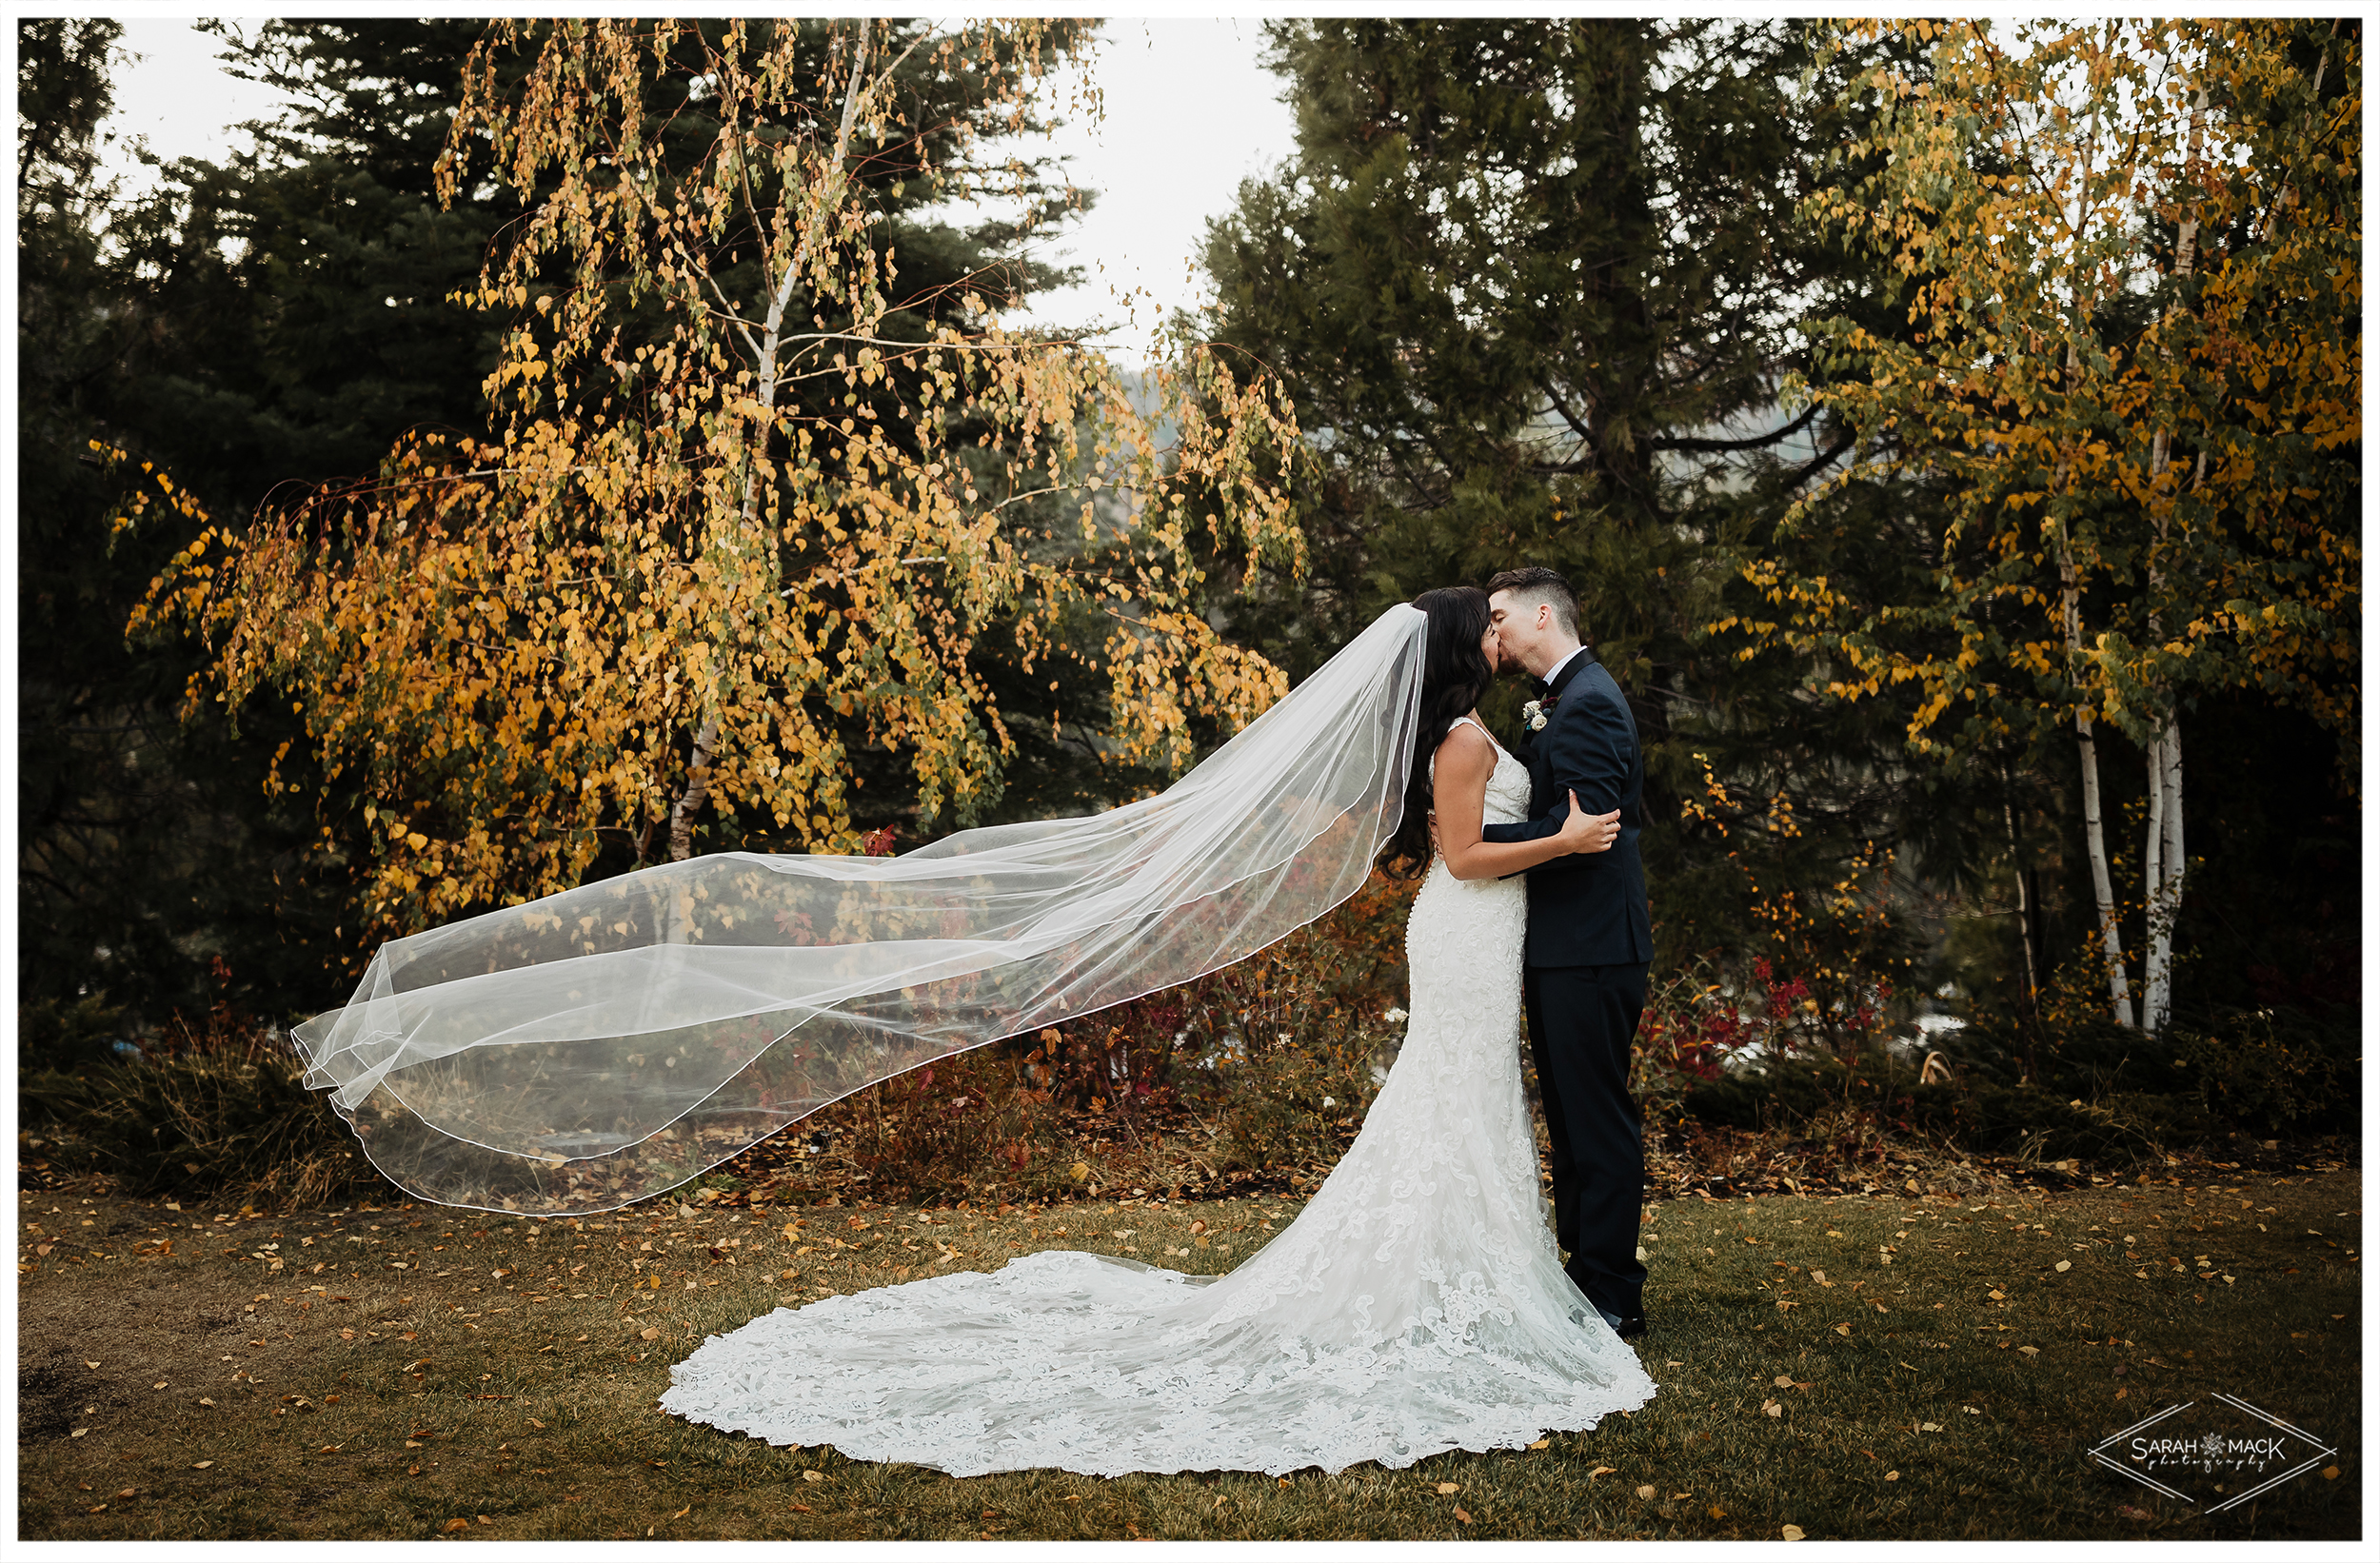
[1189, 114]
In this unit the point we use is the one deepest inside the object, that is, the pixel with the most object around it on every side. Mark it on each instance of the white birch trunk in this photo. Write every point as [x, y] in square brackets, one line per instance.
[2023, 906]
[2165, 874]
[2161, 879]
[2102, 887]
[2087, 748]
[765, 351]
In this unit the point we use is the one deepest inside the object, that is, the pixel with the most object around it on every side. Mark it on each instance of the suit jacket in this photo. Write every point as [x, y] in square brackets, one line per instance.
[1585, 909]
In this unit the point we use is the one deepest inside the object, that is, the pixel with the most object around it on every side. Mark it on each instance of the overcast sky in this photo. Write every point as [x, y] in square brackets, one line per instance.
[1189, 114]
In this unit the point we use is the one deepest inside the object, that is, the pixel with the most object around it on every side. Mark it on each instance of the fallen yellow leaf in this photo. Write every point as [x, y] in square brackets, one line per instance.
[1462, 1515]
[812, 1475]
[201, 1464]
[1892, 1475]
[453, 1525]
[1645, 1491]
[1792, 1533]
[1448, 1488]
[1601, 1471]
[2064, 1265]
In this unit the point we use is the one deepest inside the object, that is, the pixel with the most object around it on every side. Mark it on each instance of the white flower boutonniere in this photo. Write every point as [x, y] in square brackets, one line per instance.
[1534, 714]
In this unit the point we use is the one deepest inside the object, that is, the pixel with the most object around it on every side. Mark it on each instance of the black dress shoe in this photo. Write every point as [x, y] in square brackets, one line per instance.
[1629, 1328]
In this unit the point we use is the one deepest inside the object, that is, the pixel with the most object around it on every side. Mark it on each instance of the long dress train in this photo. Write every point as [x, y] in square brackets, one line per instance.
[1416, 1305]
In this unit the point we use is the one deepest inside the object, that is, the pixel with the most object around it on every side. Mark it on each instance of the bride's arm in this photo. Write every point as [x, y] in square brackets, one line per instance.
[1465, 759]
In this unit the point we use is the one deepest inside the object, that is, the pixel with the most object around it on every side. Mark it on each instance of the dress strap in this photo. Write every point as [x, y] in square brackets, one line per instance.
[1483, 732]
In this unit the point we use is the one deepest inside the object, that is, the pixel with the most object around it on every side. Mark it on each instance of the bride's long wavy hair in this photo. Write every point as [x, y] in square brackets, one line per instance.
[1455, 673]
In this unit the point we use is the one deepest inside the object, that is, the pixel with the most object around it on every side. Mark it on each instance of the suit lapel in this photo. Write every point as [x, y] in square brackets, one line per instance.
[1571, 670]
[1541, 768]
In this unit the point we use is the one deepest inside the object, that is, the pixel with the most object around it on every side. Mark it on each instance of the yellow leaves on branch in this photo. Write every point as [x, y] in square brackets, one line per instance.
[735, 509]
[2162, 475]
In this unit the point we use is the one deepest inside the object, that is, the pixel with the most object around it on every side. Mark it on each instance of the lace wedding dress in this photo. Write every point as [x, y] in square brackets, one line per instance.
[1417, 1305]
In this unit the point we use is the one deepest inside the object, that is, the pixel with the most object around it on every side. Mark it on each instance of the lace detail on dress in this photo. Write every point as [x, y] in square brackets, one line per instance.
[1416, 1305]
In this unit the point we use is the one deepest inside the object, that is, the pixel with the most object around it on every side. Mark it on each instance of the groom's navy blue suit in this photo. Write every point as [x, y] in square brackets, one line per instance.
[1590, 941]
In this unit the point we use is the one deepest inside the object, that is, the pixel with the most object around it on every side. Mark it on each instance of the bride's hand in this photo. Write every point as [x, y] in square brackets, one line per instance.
[1584, 832]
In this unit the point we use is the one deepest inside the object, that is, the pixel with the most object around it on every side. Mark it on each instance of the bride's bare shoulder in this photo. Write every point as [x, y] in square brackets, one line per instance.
[1467, 744]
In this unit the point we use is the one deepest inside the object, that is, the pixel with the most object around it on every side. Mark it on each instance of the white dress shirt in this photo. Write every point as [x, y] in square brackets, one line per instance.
[1554, 672]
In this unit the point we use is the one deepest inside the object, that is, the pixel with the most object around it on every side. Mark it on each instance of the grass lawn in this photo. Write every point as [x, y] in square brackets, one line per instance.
[1860, 1368]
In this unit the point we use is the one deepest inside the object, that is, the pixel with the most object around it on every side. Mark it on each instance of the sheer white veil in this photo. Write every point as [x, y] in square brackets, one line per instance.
[578, 1052]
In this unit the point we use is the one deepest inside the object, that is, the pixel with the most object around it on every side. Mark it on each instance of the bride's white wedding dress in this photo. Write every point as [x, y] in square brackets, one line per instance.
[1417, 1305]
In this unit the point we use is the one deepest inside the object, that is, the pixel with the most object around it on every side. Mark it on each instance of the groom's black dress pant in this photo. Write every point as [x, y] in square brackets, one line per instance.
[1582, 1024]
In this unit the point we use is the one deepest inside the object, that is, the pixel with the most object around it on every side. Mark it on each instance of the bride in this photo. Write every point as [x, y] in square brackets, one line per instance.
[1417, 1305]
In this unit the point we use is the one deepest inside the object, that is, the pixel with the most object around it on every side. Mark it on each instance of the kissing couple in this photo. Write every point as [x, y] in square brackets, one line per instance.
[586, 1050]
[1417, 1304]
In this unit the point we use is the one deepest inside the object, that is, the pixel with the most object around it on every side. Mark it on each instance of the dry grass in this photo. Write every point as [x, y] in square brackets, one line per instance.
[505, 1376]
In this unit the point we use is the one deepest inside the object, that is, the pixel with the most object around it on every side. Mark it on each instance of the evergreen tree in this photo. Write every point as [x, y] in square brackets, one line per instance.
[1533, 286]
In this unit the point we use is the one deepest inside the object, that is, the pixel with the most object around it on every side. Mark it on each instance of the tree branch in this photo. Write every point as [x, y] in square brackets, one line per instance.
[1761, 442]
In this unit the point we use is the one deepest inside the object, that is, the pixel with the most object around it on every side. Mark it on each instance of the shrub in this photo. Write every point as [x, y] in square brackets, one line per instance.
[1264, 1067]
[1980, 1115]
[52, 1034]
[2260, 1072]
[1689, 1028]
[218, 1110]
[974, 1123]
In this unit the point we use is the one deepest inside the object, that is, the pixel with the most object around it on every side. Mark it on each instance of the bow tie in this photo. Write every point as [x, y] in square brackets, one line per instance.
[1544, 687]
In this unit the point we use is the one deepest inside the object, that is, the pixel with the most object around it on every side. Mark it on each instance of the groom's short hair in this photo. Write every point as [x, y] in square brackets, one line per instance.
[1539, 584]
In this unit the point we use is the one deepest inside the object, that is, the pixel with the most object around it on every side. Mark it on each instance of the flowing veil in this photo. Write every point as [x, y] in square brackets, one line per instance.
[580, 1052]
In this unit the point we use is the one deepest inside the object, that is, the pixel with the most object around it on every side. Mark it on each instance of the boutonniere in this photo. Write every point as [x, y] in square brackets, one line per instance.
[1535, 713]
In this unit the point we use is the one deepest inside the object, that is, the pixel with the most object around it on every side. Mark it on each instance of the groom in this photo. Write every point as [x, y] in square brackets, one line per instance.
[1590, 938]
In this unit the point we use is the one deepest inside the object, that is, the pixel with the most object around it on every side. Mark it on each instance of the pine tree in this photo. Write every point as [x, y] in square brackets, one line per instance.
[1533, 286]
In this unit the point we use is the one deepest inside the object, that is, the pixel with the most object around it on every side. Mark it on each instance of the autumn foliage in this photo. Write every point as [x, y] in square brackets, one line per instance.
[750, 506]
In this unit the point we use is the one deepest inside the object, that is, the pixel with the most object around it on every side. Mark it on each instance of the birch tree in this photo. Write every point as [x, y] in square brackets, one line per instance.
[2131, 512]
[2251, 401]
[750, 503]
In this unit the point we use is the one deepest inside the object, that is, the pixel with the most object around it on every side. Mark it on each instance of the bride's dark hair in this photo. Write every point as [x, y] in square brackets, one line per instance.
[1455, 673]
